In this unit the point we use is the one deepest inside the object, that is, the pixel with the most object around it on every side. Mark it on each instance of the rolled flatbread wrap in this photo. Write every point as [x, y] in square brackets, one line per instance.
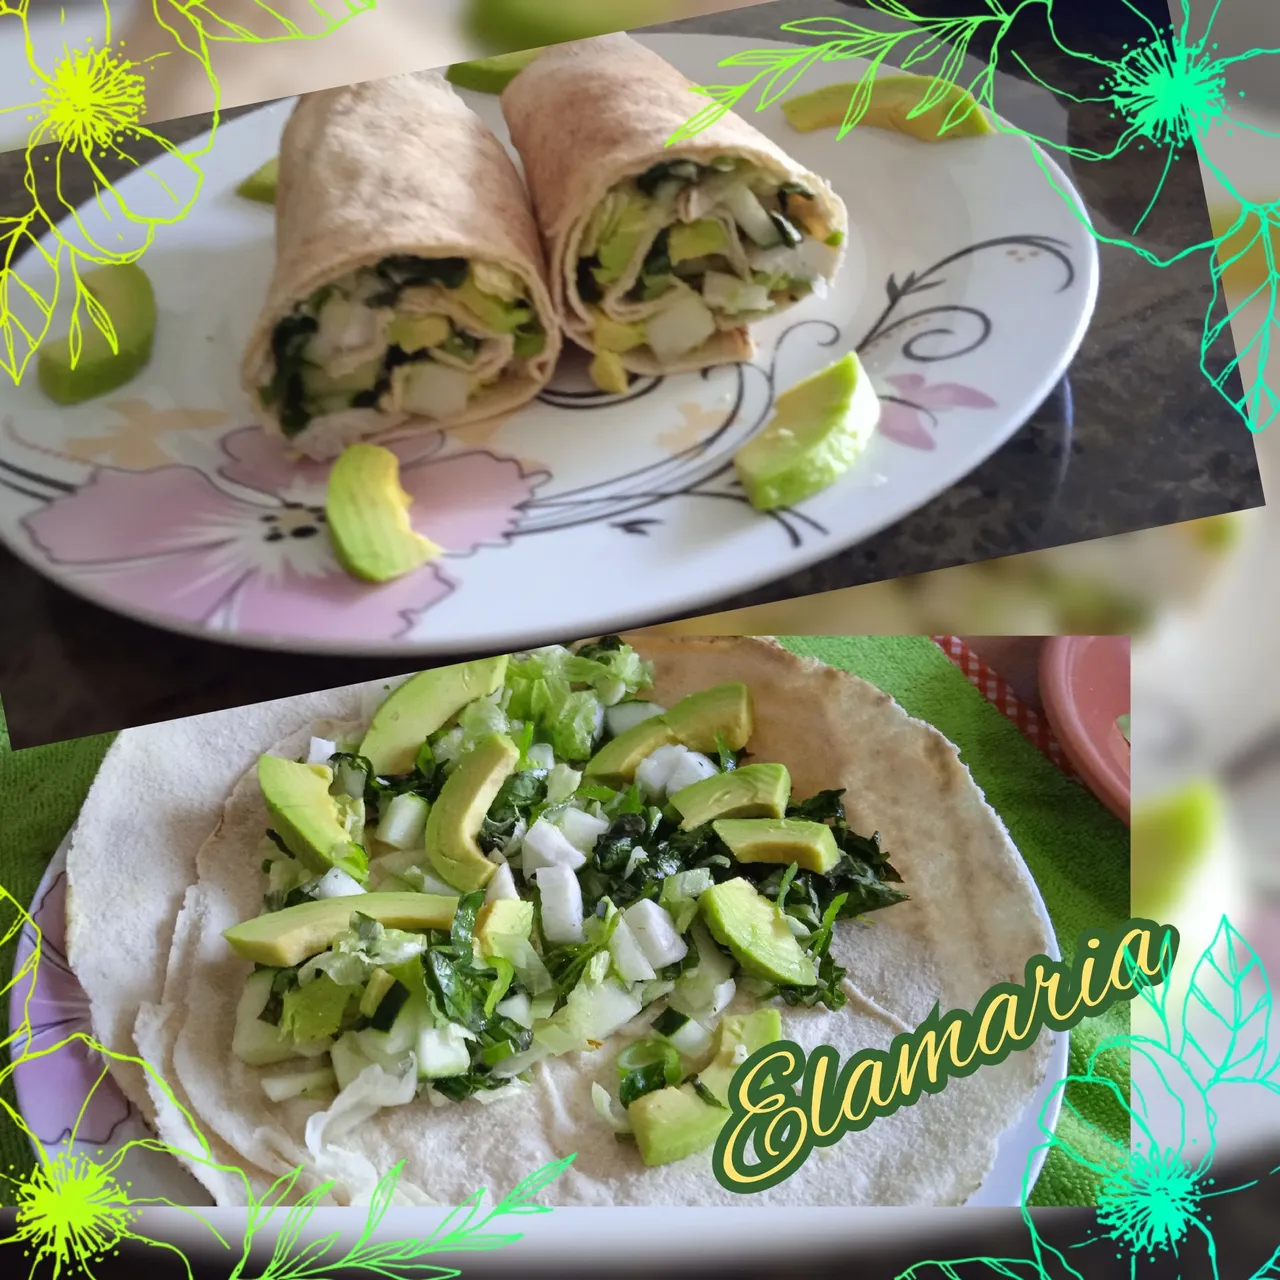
[409, 282]
[662, 257]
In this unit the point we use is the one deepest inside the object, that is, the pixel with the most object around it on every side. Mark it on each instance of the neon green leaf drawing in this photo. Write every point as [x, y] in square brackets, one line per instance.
[1246, 252]
[271, 25]
[1230, 985]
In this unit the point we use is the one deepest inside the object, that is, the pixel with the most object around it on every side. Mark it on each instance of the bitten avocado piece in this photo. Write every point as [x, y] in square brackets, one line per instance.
[307, 818]
[609, 373]
[751, 1031]
[673, 1123]
[615, 763]
[424, 703]
[457, 816]
[490, 75]
[506, 918]
[613, 335]
[261, 184]
[811, 845]
[285, 938]
[723, 712]
[753, 791]
[367, 513]
[752, 928]
[699, 239]
[125, 293]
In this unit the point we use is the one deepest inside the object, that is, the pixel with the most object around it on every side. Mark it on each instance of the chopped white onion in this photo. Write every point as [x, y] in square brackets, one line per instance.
[336, 883]
[653, 771]
[519, 1008]
[603, 1104]
[403, 821]
[562, 782]
[628, 956]
[541, 755]
[722, 995]
[501, 885]
[581, 829]
[691, 767]
[561, 904]
[655, 932]
[320, 751]
[638, 855]
[626, 715]
[545, 845]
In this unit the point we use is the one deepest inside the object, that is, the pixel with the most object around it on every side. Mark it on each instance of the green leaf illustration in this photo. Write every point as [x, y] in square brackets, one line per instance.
[25, 311]
[1230, 985]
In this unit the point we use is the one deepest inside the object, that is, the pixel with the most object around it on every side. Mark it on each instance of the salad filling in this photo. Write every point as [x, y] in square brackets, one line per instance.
[407, 337]
[554, 859]
[685, 250]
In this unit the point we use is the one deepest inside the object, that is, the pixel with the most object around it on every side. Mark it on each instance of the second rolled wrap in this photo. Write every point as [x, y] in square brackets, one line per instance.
[409, 282]
[661, 256]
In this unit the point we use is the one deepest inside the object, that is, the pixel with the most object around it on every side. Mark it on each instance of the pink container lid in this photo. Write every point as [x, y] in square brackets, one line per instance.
[1084, 685]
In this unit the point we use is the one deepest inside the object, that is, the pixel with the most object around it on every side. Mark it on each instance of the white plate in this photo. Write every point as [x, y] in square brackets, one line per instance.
[52, 1092]
[968, 289]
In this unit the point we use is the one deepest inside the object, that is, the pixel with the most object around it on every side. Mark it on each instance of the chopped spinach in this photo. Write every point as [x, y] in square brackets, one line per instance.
[682, 171]
[406, 271]
[641, 1080]
[589, 288]
[517, 796]
[285, 392]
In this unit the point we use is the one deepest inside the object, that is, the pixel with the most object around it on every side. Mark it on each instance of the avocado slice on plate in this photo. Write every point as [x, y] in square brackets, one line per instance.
[285, 938]
[260, 186]
[125, 293]
[818, 430]
[424, 703]
[307, 818]
[811, 845]
[367, 513]
[490, 75]
[723, 713]
[458, 814]
[753, 791]
[892, 100]
[753, 930]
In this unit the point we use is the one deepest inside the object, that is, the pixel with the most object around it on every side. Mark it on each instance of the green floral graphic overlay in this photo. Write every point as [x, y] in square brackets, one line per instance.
[75, 1210]
[1166, 93]
[89, 102]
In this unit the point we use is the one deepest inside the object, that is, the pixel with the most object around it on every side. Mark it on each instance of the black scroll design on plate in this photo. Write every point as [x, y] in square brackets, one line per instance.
[951, 317]
[703, 470]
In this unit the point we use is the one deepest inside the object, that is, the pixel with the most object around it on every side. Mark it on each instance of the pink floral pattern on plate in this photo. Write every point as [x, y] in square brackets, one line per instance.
[911, 416]
[64, 1092]
[255, 558]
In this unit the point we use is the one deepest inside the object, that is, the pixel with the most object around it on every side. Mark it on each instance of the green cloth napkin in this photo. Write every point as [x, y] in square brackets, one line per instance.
[1076, 850]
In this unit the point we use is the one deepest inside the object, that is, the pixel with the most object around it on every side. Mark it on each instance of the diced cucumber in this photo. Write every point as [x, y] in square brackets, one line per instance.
[258, 1043]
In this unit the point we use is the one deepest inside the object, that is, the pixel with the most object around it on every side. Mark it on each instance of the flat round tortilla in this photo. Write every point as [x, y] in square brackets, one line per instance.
[972, 921]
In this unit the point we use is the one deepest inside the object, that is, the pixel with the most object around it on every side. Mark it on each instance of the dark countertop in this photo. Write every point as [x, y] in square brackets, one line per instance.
[1135, 437]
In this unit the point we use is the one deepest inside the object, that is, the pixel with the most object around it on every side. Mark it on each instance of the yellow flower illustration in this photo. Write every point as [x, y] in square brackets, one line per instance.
[85, 111]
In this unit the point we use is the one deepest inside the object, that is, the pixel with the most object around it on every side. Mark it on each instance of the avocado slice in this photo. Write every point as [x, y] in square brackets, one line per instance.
[613, 335]
[417, 333]
[609, 373]
[723, 712]
[367, 513]
[700, 239]
[457, 815]
[615, 763]
[125, 293]
[424, 703]
[811, 845]
[307, 818]
[632, 224]
[285, 938]
[505, 317]
[490, 75]
[892, 99]
[819, 428]
[753, 791]
[672, 1123]
[261, 184]
[752, 928]
[505, 918]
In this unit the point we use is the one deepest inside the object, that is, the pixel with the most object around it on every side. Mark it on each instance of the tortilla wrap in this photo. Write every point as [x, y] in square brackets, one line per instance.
[971, 922]
[400, 166]
[586, 116]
